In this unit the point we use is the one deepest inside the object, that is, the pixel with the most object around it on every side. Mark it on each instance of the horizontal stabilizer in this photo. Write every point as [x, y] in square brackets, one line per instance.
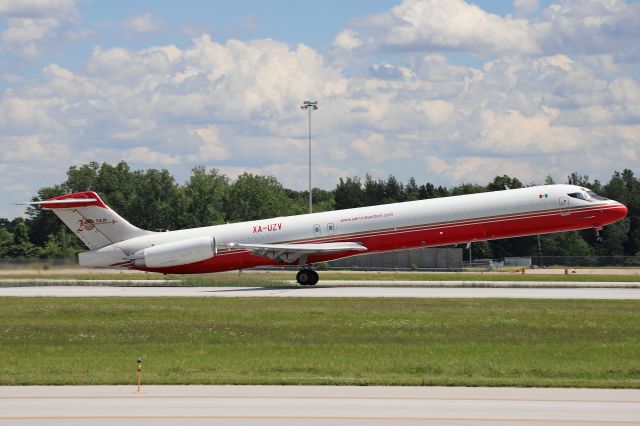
[291, 252]
[67, 201]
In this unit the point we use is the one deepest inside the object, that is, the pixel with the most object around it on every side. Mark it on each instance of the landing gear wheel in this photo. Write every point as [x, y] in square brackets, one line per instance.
[307, 277]
[315, 278]
[599, 239]
[303, 277]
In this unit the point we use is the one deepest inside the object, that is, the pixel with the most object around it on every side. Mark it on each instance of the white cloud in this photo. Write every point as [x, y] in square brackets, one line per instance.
[210, 147]
[144, 23]
[234, 105]
[515, 133]
[590, 27]
[442, 24]
[144, 155]
[376, 149]
[480, 169]
[524, 8]
[34, 8]
[625, 91]
[347, 40]
[435, 165]
[576, 26]
[438, 111]
[123, 64]
[294, 175]
[560, 61]
[219, 103]
[154, 106]
[391, 72]
[32, 148]
[19, 115]
[30, 25]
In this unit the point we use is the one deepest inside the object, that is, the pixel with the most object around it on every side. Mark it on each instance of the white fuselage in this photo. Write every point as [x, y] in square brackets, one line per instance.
[433, 222]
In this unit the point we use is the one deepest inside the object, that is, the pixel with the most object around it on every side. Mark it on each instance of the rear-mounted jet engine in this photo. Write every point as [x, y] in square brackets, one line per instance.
[175, 254]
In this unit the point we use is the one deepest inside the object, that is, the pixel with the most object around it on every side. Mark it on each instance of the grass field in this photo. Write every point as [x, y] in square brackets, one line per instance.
[276, 278]
[320, 341]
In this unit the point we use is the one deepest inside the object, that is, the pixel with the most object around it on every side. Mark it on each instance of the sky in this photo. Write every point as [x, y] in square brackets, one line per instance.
[445, 91]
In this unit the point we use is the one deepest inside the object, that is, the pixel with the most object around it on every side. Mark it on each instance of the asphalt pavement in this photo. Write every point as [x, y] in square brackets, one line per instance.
[617, 293]
[314, 405]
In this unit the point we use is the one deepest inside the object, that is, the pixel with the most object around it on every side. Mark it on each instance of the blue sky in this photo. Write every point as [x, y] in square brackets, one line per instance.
[312, 23]
[446, 91]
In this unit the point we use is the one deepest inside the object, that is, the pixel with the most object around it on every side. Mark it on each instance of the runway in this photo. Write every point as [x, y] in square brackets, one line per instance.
[334, 283]
[314, 405]
[621, 293]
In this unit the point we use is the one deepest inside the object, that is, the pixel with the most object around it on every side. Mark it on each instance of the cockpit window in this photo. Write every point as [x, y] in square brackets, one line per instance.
[579, 196]
[586, 195]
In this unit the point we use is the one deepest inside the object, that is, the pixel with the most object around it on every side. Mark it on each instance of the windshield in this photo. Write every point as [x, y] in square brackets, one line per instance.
[595, 196]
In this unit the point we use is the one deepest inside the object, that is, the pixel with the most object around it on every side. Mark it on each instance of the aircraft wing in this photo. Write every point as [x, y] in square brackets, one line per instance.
[291, 252]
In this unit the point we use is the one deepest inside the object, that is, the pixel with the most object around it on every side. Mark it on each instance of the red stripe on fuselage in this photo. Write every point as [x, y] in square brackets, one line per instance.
[430, 235]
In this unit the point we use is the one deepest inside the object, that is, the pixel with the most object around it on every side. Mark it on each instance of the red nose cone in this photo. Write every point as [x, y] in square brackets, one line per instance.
[622, 210]
[612, 213]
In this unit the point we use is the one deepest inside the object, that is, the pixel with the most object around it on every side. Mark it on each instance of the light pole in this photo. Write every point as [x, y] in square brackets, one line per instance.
[310, 106]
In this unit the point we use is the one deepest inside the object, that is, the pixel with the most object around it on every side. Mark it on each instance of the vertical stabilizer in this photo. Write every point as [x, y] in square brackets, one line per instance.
[90, 219]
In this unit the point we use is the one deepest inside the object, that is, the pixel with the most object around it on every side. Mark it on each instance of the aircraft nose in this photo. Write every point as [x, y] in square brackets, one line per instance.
[620, 211]
[612, 213]
[623, 210]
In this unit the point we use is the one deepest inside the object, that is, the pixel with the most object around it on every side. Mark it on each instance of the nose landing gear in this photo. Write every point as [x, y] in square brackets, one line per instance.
[599, 239]
[307, 277]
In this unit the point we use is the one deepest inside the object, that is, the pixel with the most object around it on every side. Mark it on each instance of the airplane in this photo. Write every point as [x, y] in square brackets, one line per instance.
[307, 239]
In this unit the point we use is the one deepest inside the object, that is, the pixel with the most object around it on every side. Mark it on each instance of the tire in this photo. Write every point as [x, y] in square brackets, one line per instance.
[314, 278]
[304, 277]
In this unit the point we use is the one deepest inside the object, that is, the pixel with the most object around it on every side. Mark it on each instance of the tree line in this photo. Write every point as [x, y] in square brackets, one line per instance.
[152, 199]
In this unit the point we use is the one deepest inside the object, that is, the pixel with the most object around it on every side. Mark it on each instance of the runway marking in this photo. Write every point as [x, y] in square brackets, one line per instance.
[386, 418]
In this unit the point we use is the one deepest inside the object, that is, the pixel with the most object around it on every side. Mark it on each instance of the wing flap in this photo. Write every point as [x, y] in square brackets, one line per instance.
[291, 252]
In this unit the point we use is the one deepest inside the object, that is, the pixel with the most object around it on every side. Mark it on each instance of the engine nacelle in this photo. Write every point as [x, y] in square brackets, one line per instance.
[178, 253]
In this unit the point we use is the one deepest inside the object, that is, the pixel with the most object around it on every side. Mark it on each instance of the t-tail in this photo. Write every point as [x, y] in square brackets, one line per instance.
[91, 219]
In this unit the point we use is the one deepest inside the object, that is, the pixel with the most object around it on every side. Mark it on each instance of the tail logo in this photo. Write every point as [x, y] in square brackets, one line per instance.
[89, 224]
[85, 224]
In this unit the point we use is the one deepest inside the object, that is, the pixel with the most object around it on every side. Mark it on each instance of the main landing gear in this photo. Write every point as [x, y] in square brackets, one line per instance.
[307, 277]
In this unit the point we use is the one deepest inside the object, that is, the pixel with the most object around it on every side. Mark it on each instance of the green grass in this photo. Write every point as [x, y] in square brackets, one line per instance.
[276, 278]
[320, 341]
